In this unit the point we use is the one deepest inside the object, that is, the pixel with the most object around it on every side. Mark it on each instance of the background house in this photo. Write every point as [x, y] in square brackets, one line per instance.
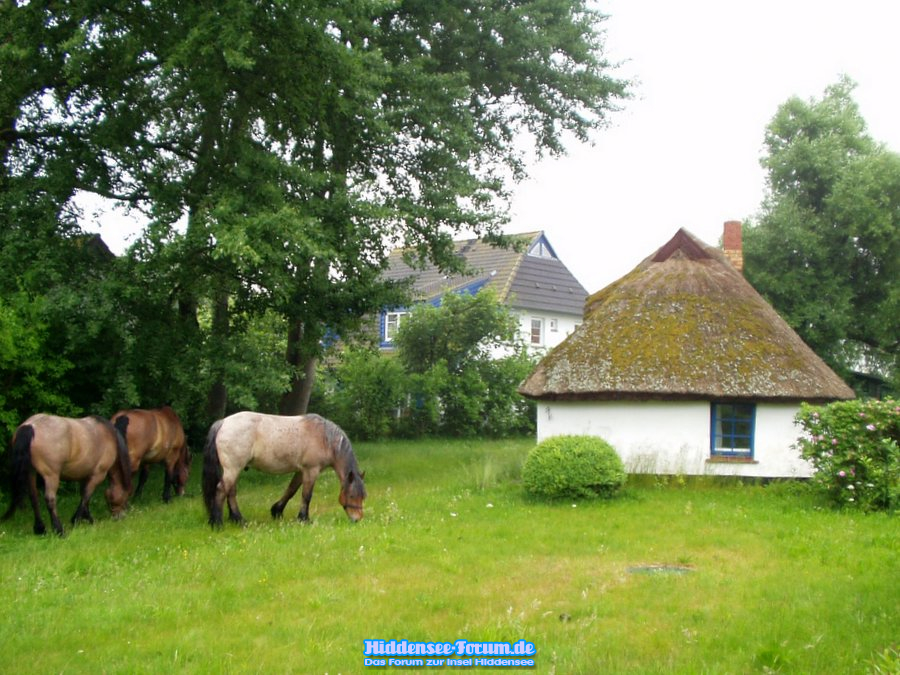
[533, 282]
[684, 368]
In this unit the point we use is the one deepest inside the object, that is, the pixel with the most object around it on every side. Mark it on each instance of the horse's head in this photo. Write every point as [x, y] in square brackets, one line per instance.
[116, 499]
[353, 493]
[182, 469]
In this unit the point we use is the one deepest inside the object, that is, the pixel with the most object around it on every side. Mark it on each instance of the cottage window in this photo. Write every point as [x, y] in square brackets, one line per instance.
[537, 331]
[392, 324]
[733, 426]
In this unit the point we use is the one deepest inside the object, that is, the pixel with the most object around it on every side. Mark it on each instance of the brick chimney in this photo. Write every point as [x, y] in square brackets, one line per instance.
[731, 244]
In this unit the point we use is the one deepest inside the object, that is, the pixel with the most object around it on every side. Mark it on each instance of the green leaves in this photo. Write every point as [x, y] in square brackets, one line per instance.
[855, 449]
[464, 328]
[573, 467]
[30, 376]
[289, 144]
[826, 251]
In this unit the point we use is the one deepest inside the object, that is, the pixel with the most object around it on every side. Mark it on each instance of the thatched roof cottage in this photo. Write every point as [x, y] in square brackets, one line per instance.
[685, 368]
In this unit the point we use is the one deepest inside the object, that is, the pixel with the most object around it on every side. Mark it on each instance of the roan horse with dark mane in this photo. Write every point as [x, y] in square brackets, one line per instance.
[63, 448]
[155, 436]
[302, 445]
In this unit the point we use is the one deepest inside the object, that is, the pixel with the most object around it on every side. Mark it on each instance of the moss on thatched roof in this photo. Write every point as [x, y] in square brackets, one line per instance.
[683, 324]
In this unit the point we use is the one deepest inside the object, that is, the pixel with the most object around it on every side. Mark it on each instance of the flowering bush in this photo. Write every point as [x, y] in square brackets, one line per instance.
[855, 449]
[573, 467]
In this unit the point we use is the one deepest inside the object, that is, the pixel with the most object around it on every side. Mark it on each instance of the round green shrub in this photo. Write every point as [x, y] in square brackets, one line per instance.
[573, 467]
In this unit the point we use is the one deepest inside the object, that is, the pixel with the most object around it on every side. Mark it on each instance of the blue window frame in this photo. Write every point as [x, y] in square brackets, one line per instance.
[732, 429]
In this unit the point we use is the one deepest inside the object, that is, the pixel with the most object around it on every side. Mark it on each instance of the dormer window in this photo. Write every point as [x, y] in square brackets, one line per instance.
[541, 249]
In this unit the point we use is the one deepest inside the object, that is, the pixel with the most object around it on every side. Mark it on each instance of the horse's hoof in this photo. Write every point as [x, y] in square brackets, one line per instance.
[40, 529]
[276, 512]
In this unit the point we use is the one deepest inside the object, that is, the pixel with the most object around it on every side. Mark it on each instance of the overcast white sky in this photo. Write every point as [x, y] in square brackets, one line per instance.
[709, 76]
[685, 152]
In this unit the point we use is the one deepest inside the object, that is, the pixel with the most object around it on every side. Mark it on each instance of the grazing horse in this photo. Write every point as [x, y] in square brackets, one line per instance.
[302, 445]
[62, 448]
[155, 436]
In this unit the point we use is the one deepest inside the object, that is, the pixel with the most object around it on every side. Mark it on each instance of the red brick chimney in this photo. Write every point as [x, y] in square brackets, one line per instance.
[731, 244]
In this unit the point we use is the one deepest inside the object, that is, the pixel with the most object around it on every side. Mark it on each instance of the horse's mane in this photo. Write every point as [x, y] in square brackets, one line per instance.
[337, 439]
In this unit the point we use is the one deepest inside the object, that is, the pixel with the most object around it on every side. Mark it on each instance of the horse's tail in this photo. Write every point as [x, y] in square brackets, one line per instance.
[123, 460]
[121, 423]
[212, 471]
[21, 465]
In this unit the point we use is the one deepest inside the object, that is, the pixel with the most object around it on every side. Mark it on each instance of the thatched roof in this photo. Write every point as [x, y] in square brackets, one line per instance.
[684, 324]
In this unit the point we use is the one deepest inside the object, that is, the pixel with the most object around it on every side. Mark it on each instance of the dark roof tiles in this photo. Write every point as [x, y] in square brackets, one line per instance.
[523, 281]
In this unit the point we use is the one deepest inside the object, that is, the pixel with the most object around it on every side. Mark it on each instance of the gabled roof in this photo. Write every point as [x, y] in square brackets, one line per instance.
[684, 324]
[523, 279]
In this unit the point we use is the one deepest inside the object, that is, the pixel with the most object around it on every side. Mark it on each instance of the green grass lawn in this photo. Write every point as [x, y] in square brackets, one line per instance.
[758, 578]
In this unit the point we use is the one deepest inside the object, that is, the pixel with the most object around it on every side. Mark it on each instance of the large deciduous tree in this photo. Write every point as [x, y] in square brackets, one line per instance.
[826, 247]
[279, 150]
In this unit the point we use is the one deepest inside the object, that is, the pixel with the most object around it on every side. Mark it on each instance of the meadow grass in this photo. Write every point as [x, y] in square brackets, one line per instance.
[673, 576]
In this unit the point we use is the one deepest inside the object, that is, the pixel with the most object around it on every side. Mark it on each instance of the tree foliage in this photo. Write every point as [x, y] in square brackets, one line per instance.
[454, 372]
[462, 329]
[826, 248]
[468, 353]
[277, 151]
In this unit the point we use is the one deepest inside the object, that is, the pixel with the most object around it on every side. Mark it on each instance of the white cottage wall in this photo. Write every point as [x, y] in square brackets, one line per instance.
[673, 437]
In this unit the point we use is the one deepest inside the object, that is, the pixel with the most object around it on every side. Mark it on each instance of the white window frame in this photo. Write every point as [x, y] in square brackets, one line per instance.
[536, 323]
[392, 321]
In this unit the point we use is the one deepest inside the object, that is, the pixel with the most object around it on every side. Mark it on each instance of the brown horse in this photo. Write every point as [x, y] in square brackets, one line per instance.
[155, 437]
[62, 448]
[302, 445]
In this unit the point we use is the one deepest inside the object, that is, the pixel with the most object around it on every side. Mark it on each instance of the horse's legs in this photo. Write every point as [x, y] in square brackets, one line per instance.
[143, 474]
[169, 480]
[39, 527]
[215, 510]
[227, 489]
[309, 481]
[278, 507]
[83, 512]
[51, 485]
[234, 513]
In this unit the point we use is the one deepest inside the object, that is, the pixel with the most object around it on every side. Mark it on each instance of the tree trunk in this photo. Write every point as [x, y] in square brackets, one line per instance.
[296, 400]
[217, 399]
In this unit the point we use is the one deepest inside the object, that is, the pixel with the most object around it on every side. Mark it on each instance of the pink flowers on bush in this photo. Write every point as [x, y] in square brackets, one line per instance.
[855, 449]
